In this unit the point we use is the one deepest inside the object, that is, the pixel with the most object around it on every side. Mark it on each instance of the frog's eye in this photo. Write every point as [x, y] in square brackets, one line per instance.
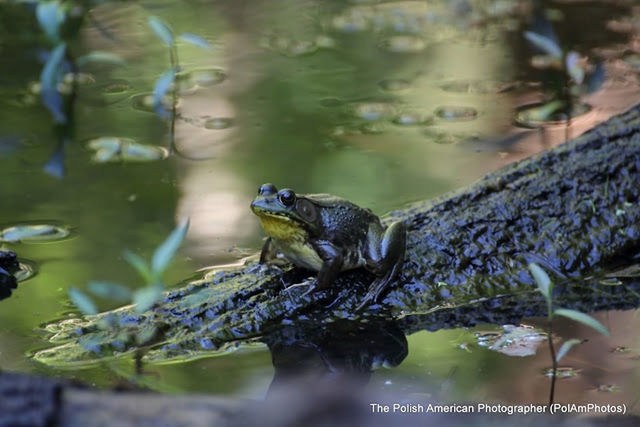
[306, 210]
[287, 197]
[267, 189]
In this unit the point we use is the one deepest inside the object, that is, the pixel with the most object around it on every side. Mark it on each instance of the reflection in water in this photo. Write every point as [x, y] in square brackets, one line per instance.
[343, 350]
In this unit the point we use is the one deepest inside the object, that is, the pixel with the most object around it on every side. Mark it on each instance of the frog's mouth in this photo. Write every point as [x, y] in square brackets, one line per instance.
[279, 226]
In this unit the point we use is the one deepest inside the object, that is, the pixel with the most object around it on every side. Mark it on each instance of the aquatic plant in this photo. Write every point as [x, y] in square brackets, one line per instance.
[144, 298]
[545, 286]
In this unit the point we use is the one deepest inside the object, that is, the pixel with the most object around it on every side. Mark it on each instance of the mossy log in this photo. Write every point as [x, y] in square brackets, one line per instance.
[573, 209]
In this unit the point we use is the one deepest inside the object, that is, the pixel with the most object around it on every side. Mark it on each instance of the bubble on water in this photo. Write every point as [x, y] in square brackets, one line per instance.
[412, 118]
[203, 77]
[532, 116]
[562, 372]
[373, 110]
[608, 388]
[354, 21]
[144, 102]
[34, 232]
[394, 85]
[456, 113]
[114, 149]
[217, 123]
[442, 137]
[403, 44]
[116, 87]
[470, 86]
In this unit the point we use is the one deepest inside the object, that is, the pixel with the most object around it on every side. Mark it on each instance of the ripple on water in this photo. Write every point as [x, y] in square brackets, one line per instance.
[403, 44]
[456, 113]
[373, 110]
[205, 77]
[412, 118]
[34, 233]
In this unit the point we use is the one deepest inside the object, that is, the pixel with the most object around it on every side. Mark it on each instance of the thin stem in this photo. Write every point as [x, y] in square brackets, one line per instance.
[552, 350]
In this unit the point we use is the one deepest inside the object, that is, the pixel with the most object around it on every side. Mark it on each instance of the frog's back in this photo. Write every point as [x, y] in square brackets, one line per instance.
[343, 221]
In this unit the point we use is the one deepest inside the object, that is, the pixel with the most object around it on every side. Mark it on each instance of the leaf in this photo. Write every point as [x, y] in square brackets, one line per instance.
[542, 280]
[101, 57]
[162, 30]
[544, 44]
[82, 301]
[110, 290]
[50, 17]
[162, 86]
[139, 265]
[566, 346]
[49, 78]
[585, 319]
[167, 250]
[55, 164]
[573, 68]
[195, 40]
[146, 297]
[595, 80]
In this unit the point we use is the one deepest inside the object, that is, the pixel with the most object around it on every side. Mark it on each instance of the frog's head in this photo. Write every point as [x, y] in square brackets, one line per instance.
[284, 214]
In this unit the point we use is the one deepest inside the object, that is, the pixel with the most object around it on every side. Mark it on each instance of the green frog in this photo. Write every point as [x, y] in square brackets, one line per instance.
[328, 234]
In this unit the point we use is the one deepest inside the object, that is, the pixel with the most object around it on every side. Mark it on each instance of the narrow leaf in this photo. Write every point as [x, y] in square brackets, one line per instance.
[195, 40]
[50, 16]
[162, 86]
[146, 297]
[109, 290]
[542, 280]
[566, 346]
[162, 30]
[167, 250]
[139, 265]
[573, 68]
[49, 78]
[55, 164]
[585, 319]
[544, 44]
[82, 301]
[101, 57]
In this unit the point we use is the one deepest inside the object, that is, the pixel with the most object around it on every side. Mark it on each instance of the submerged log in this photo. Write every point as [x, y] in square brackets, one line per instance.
[574, 210]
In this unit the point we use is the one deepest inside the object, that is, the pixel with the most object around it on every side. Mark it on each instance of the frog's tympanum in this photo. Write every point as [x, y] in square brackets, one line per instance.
[328, 234]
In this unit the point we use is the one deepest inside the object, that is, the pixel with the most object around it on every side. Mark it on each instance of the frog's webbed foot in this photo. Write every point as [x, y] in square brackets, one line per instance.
[387, 263]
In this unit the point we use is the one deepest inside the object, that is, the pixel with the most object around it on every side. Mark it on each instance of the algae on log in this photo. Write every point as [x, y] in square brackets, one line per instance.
[574, 209]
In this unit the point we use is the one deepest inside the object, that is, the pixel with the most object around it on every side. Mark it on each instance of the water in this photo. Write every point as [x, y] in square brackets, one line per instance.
[382, 104]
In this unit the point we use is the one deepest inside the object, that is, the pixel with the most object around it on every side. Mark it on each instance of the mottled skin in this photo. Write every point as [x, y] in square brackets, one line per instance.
[328, 234]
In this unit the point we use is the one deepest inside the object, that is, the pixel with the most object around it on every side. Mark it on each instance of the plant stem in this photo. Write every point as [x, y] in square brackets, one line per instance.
[553, 361]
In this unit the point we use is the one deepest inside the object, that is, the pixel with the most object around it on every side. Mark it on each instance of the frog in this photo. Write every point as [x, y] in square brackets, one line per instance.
[328, 234]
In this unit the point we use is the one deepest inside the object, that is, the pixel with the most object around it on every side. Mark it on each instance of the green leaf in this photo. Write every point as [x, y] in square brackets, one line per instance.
[167, 250]
[146, 297]
[162, 30]
[566, 346]
[101, 57]
[195, 40]
[109, 290]
[542, 280]
[49, 78]
[585, 319]
[544, 44]
[82, 301]
[139, 265]
[50, 16]
[162, 86]
[573, 68]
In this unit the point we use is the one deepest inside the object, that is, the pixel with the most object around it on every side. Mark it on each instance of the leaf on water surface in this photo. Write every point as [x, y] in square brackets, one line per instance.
[195, 40]
[110, 290]
[50, 16]
[82, 301]
[544, 44]
[162, 30]
[585, 319]
[542, 280]
[167, 250]
[101, 57]
[566, 346]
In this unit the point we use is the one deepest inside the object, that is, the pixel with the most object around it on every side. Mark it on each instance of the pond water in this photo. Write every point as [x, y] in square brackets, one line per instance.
[381, 103]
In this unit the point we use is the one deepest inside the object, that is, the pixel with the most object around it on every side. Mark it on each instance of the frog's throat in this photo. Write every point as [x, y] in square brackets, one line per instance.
[281, 227]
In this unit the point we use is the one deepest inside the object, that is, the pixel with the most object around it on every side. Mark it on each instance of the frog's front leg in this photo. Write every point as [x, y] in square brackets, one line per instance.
[332, 261]
[385, 257]
[269, 251]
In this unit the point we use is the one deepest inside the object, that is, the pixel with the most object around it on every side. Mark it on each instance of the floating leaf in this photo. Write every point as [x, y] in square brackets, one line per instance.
[52, 74]
[146, 297]
[50, 16]
[82, 301]
[542, 280]
[573, 68]
[139, 264]
[195, 40]
[101, 57]
[162, 86]
[166, 251]
[544, 44]
[162, 30]
[566, 346]
[585, 319]
[110, 290]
